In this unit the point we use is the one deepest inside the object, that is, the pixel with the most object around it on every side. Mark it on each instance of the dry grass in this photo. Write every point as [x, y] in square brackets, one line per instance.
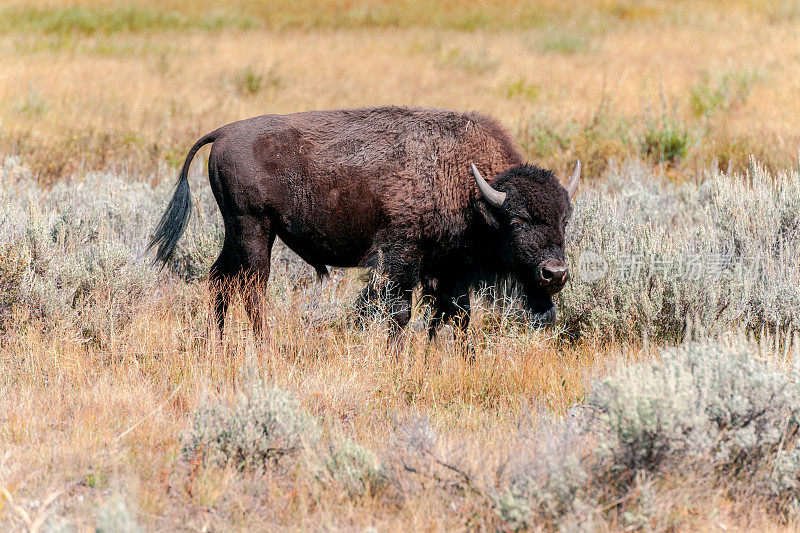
[114, 85]
[83, 426]
[87, 422]
[595, 76]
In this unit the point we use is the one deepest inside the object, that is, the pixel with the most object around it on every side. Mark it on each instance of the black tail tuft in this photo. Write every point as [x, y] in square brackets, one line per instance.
[175, 219]
[173, 222]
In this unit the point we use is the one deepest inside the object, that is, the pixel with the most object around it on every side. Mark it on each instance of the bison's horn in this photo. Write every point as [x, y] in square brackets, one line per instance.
[572, 185]
[493, 196]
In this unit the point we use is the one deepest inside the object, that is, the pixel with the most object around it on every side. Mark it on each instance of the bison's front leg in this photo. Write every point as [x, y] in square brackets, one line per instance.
[453, 305]
[389, 292]
[450, 308]
[385, 299]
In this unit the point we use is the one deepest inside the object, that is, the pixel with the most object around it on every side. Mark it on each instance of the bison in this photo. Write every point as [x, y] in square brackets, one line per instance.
[396, 189]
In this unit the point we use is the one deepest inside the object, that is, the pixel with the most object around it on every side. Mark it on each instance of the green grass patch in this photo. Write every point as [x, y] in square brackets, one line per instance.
[521, 88]
[275, 14]
[252, 80]
[555, 145]
[474, 61]
[33, 104]
[458, 15]
[726, 92]
[108, 20]
[665, 140]
[565, 43]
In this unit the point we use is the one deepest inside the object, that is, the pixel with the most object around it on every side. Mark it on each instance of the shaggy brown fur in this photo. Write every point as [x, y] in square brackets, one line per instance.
[388, 188]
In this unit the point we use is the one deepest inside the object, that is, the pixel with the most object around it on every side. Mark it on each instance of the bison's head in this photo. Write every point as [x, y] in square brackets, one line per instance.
[529, 210]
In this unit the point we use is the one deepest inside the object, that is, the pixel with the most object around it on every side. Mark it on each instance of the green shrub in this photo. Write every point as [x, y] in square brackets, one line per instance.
[521, 88]
[727, 92]
[470, 60]
[252, 80]
[595, 142]
[540, 138]
[565, 43]
[109, 19]
[249, 81]
[665, 140]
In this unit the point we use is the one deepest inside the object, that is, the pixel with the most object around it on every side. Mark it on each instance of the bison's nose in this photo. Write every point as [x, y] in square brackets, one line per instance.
[553, 272]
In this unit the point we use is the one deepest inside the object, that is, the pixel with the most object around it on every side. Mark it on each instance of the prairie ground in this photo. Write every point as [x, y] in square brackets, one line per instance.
[107, 371]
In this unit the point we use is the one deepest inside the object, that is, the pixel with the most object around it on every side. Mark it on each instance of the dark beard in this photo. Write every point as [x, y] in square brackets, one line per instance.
[542, 309]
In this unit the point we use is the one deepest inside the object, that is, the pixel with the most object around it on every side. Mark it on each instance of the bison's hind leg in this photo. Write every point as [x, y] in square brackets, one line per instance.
[389, 292]
[244, 264]
[221, 283]
[255, 250]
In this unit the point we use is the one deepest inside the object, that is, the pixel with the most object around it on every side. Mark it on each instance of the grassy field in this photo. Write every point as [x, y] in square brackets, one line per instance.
[88, 85]
[117, 413]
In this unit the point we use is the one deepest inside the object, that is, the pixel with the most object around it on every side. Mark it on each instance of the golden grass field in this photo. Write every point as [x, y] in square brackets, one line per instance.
[128, 87]
[590, 79]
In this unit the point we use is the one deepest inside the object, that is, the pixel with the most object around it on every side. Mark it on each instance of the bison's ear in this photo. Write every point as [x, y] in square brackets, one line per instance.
[485, 212]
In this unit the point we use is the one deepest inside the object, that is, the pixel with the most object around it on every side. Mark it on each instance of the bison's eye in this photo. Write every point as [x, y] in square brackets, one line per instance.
[518, 223]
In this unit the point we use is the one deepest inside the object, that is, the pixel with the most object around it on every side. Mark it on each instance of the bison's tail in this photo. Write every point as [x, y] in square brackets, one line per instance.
[175, 219]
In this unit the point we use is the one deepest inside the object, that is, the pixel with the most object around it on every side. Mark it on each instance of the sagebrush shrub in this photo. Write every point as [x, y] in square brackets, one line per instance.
[261, 427]
[13, 267]
[681, 259]
[712, 412]
[84, 248]
[698, 405]
[550, 480]
[352, 467]
[716, 257]
[264, 426]
[113, 516]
